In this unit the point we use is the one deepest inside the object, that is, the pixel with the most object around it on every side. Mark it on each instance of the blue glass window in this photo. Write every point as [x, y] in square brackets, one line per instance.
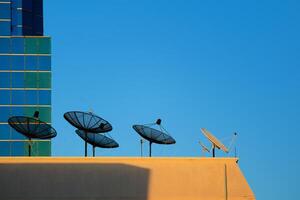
[16, 17]
[31, 97]
[27, 5]
[4, 80]
[45, 97]
[5, 28]
[4, 45]
[17, 111]
[4, 131]
[31, 62]
[18, 97]
[4, 62]
[17, 30]
[4, 148]
[17, 63]
[19, 148]
[17, 45]
[16, 135]
[17, 80]
[17, 3]
[27, 19]
[4, 114]
[4, 11]
[45, 63]
[4, 97]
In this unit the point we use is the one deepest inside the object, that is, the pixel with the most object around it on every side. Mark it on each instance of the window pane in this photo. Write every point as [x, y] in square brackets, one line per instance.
[31, 62]
[44, 63]
[4, 80]
[4, 114]
[4, 131]
[44, 97]
[18, 97]
[4, 28]
[31, 46]
[31, 80]
[45, 80]
[17, 111]
[16, 135]
[17, 4]
[31, 97]
[4, 148]
[17, 79]
[4, 62]
[19, 148]
[17, 30]
[4, 45]
[17, 45]
[4, 11]
[41, 148]
[16, 17]
[44, 45]
[5, 97]
[17, 62]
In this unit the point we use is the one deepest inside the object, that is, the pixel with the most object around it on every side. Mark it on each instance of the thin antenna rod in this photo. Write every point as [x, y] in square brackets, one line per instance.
[232, 140]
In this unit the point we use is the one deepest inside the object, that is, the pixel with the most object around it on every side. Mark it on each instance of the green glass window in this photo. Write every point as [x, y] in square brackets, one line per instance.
[38, 80]
[41, 148]
[44, 80]
[41, 45]
[31, 46]
[44, 45]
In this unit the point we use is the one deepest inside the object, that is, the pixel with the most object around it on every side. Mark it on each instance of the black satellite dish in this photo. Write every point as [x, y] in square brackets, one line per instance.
[32, 128]
[88, 123]
[97, 140]
[153, 135]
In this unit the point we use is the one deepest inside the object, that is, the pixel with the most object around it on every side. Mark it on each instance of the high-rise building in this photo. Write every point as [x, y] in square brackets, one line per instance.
[25, 73]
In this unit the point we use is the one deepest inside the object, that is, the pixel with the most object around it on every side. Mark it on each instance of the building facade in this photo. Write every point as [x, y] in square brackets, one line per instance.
[25, 73]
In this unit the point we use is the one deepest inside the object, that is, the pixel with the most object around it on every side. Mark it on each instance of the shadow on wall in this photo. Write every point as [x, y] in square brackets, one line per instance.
[73, 181]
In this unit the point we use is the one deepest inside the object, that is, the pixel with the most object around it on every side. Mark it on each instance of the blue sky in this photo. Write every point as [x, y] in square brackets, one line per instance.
[227, 66]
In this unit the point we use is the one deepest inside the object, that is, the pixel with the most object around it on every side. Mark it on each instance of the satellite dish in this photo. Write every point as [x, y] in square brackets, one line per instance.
[215, 142]
[153, 135]
[87, 122]
[204, 148]
[97, 140]
[32, 128]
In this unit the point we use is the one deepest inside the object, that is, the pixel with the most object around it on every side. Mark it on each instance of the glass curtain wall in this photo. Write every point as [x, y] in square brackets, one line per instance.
[25, 76]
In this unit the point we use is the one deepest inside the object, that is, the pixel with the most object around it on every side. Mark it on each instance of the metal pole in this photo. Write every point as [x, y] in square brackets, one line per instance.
[142, 147]
[94, 151]
[150, 149]
[29, 148]
[85, 145]
[213, 151]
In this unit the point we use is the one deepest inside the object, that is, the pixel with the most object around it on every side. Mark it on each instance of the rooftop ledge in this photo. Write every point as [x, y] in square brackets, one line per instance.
[120, 178]
[109, 159]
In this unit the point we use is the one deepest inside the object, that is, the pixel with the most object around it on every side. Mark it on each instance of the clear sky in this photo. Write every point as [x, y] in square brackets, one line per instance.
[224, 65]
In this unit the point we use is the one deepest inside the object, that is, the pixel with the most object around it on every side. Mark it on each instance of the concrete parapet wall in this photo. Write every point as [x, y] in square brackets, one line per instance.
[124, 178]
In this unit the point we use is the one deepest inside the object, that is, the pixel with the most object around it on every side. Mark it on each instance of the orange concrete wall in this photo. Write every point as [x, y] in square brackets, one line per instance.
[122, 178]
